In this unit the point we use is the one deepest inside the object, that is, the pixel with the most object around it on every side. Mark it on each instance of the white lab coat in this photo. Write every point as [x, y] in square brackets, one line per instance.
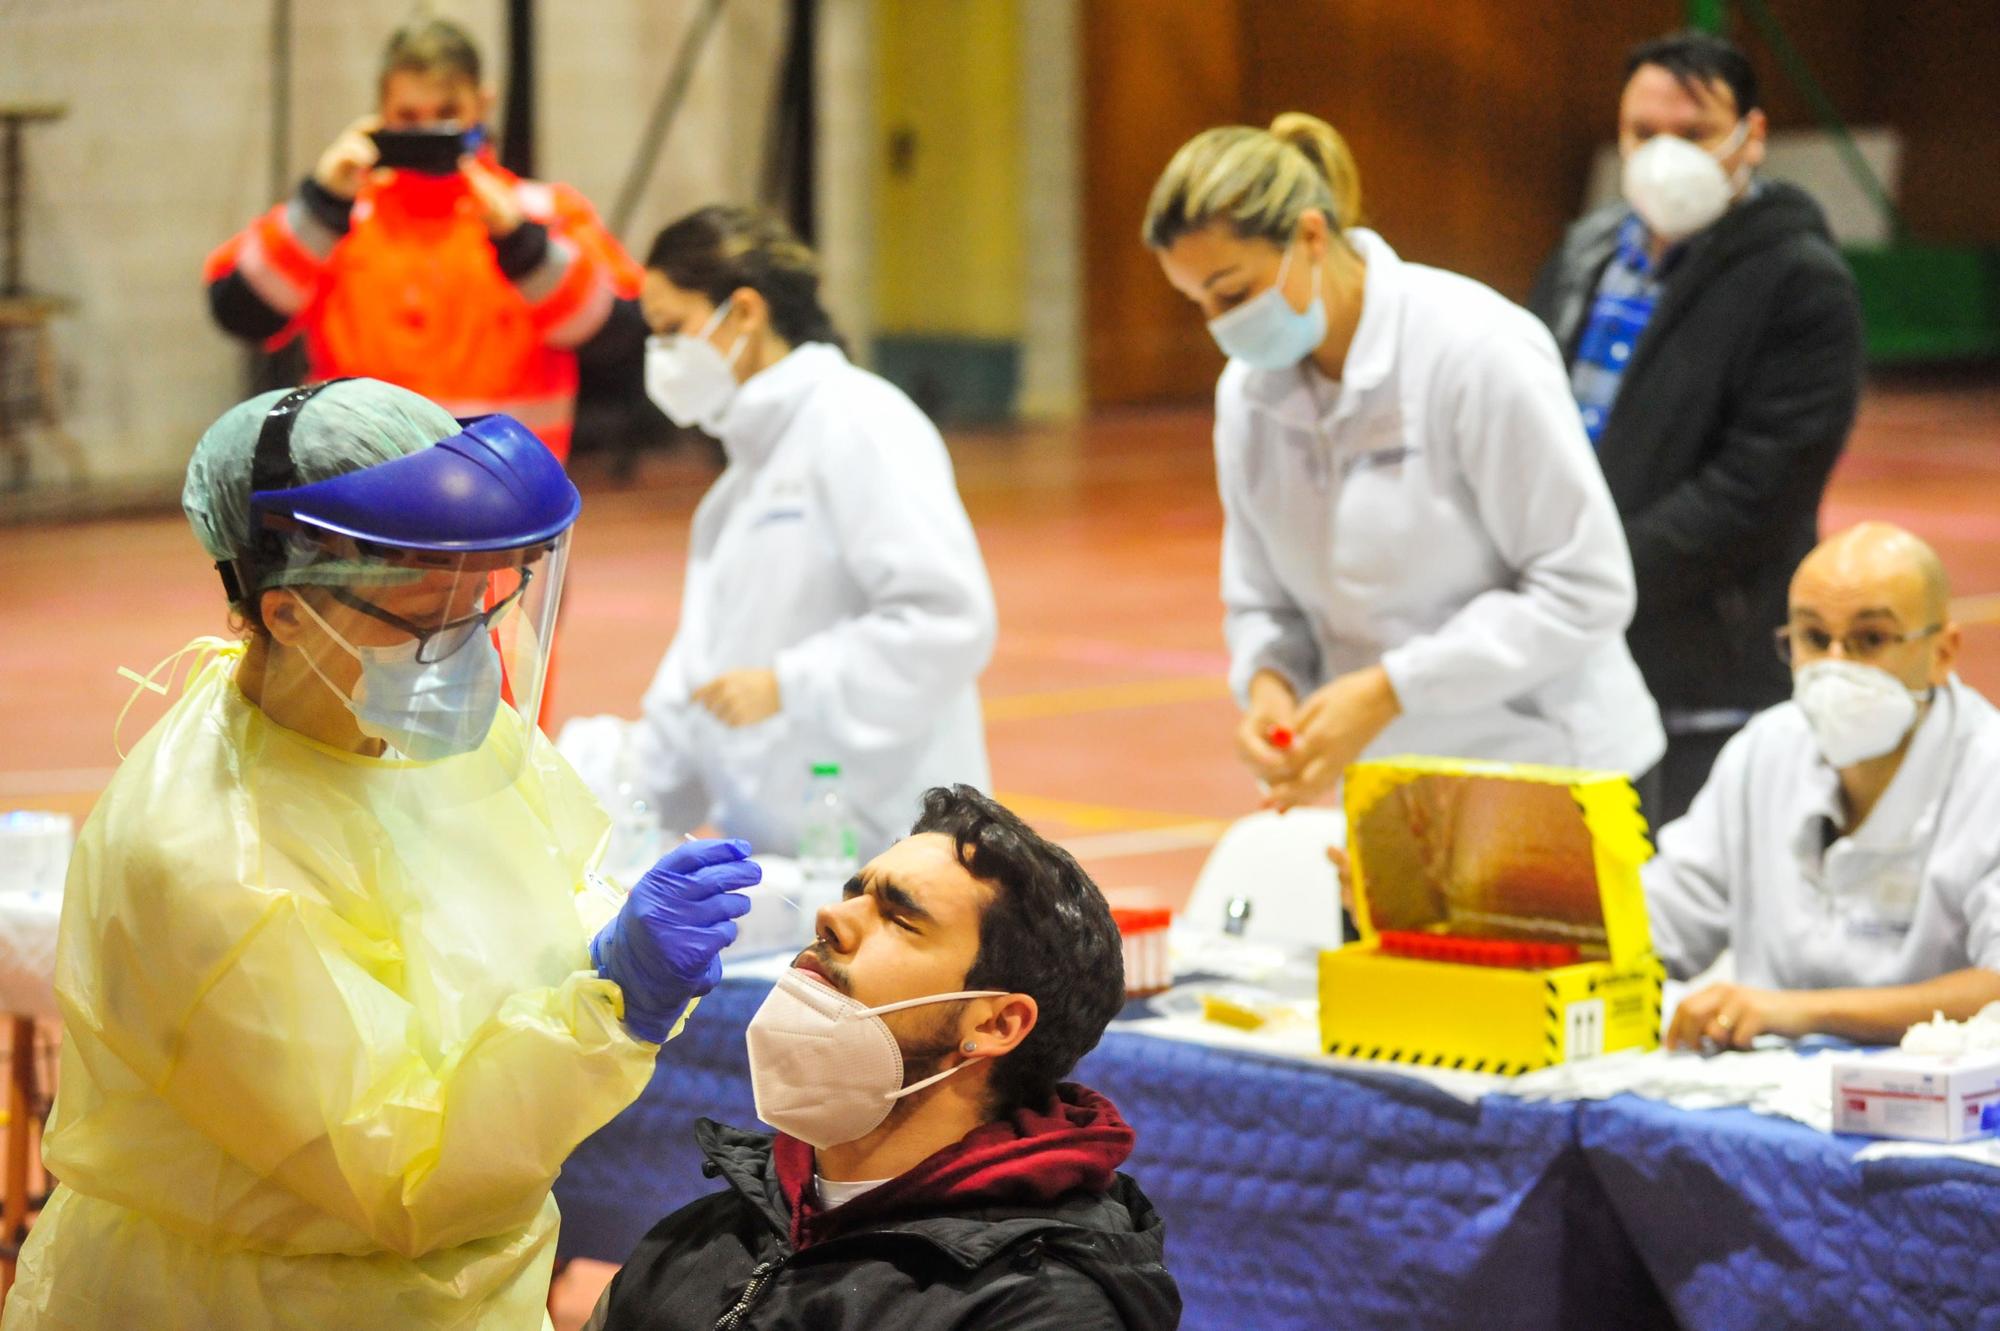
[1911, 894]
[1438, 511]
[833, 549]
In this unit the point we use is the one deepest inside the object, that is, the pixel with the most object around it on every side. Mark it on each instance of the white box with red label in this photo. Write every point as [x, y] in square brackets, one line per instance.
[1917, 1097]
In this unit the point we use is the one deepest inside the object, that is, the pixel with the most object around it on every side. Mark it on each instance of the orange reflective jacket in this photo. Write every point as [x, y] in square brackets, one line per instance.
[413, 293]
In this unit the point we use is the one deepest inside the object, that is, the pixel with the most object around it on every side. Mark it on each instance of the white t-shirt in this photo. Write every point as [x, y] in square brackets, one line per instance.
[833, 1193]
[1758, 864]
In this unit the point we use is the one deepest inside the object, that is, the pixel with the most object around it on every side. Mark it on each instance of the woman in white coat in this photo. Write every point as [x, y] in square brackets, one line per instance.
[836, 606]
[1419, 552]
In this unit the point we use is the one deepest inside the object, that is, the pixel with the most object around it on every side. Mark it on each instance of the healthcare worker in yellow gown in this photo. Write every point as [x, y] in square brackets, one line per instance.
[341, 988]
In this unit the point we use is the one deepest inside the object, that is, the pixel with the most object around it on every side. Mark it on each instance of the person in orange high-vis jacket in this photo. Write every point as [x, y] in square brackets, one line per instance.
[476, 288]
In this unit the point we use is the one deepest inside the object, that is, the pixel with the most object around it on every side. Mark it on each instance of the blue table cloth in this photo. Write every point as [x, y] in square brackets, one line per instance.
[1294, 1196]
[1747, 1221]
[1300, 1196]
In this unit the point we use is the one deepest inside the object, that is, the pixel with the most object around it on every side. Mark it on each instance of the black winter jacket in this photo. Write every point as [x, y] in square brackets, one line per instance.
[1085, 1262]
[1733, 409]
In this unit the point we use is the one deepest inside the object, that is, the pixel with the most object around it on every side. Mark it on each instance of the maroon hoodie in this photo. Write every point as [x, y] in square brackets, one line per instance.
[1074, 1143]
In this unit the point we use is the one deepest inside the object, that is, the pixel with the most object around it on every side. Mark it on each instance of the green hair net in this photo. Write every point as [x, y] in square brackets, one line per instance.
[344, 428]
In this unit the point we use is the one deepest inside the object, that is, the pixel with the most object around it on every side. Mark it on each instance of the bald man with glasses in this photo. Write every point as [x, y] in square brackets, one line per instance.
[1846, 847]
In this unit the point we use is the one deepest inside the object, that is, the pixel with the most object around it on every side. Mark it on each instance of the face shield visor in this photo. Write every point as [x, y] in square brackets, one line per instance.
[442, 643]
[433, 581]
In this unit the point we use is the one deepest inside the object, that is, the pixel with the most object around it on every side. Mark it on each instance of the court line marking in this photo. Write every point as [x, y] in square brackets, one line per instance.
[1104, 698]
[1085, 650]
[54, 781]
[1130, 845]
[1166, 830]
[1093, 817]
[1110, 831]
[1981, 609]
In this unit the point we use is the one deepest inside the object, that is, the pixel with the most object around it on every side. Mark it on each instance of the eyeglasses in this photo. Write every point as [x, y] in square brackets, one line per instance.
[434, 645]
[1864, 644]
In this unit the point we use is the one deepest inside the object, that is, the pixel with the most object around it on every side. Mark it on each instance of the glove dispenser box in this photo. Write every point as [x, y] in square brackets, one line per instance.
[1503, 928]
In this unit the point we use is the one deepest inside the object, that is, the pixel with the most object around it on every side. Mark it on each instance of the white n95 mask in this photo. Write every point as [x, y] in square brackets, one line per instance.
[825, 1069]
[1677, 187]
[688, 379]
[1265, 332]
[1856, 711]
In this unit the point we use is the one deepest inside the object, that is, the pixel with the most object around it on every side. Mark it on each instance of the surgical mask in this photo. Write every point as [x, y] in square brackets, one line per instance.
[423, 711]
[1856, 711]
[1678, 187]
[1265, 332]
[688, 378]
[825, 1069]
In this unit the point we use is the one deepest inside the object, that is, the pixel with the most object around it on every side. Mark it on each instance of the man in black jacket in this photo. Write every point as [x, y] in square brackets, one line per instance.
[931, 1169]
[1714, 338]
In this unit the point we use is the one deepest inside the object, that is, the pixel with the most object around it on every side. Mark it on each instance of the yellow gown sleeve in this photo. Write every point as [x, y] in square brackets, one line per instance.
[290, 1043]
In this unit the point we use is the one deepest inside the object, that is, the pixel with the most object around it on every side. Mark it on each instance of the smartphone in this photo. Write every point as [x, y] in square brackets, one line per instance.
[430, 152]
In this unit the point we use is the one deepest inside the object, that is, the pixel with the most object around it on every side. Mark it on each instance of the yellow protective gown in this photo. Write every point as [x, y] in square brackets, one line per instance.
[332, 1029]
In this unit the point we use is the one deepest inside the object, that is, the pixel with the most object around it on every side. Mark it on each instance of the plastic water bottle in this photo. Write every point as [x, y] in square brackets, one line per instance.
[636, 834]
[829, 851]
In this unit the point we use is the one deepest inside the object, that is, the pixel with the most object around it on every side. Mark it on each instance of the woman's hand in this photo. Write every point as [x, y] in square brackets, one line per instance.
[664, 946]
[1272, 712]
[741, 697]
[1335, 724]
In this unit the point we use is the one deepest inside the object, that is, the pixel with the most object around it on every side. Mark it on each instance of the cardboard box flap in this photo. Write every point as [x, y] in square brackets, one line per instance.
[1498, 850]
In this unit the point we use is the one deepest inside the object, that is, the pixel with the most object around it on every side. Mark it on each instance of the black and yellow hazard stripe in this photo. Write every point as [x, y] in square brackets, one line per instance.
[1431, 1058]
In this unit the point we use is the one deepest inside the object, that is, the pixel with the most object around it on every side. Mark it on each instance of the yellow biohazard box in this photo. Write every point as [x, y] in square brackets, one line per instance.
[1502, 923]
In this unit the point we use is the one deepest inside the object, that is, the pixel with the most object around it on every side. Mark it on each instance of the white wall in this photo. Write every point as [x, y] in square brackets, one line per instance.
[165, 153]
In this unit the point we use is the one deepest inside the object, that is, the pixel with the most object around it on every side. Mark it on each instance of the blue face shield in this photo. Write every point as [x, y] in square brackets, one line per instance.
[425, 710]
[485, 513]
[1265, 332]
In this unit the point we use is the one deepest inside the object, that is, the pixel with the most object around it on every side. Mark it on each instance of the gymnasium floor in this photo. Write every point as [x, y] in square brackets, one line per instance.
[1107, 714]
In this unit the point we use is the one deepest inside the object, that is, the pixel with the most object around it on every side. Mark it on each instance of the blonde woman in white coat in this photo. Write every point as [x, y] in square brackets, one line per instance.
[1419, 552]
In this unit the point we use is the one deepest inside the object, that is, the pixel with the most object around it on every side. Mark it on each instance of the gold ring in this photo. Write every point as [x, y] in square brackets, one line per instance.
[1725, 1021]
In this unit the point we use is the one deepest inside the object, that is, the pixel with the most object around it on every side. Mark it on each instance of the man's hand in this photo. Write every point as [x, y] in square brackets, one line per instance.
[348, 159]
[1731, 1016]
[1273, 709]
[741, 697]
[496, 200]
[1334, 725]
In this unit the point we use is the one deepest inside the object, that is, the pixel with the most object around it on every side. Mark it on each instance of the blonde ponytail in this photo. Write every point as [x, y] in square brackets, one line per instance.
[1327, 150]
[1258, 181]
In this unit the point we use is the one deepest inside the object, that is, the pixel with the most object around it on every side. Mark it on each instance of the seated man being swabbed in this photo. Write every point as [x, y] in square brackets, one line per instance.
[930, 1168]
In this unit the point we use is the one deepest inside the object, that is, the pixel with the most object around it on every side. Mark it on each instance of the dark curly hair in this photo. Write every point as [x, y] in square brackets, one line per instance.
[1047, 932]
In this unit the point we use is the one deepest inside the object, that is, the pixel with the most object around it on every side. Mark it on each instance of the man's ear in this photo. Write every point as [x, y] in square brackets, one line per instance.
[1755, 142]
[1007, 1021]
[1945, 659]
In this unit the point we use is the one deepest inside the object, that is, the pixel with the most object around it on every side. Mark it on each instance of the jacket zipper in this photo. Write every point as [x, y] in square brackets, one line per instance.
[759, 1278]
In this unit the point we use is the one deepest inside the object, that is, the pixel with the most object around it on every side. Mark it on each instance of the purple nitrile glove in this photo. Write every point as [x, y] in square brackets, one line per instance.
[664, 946]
